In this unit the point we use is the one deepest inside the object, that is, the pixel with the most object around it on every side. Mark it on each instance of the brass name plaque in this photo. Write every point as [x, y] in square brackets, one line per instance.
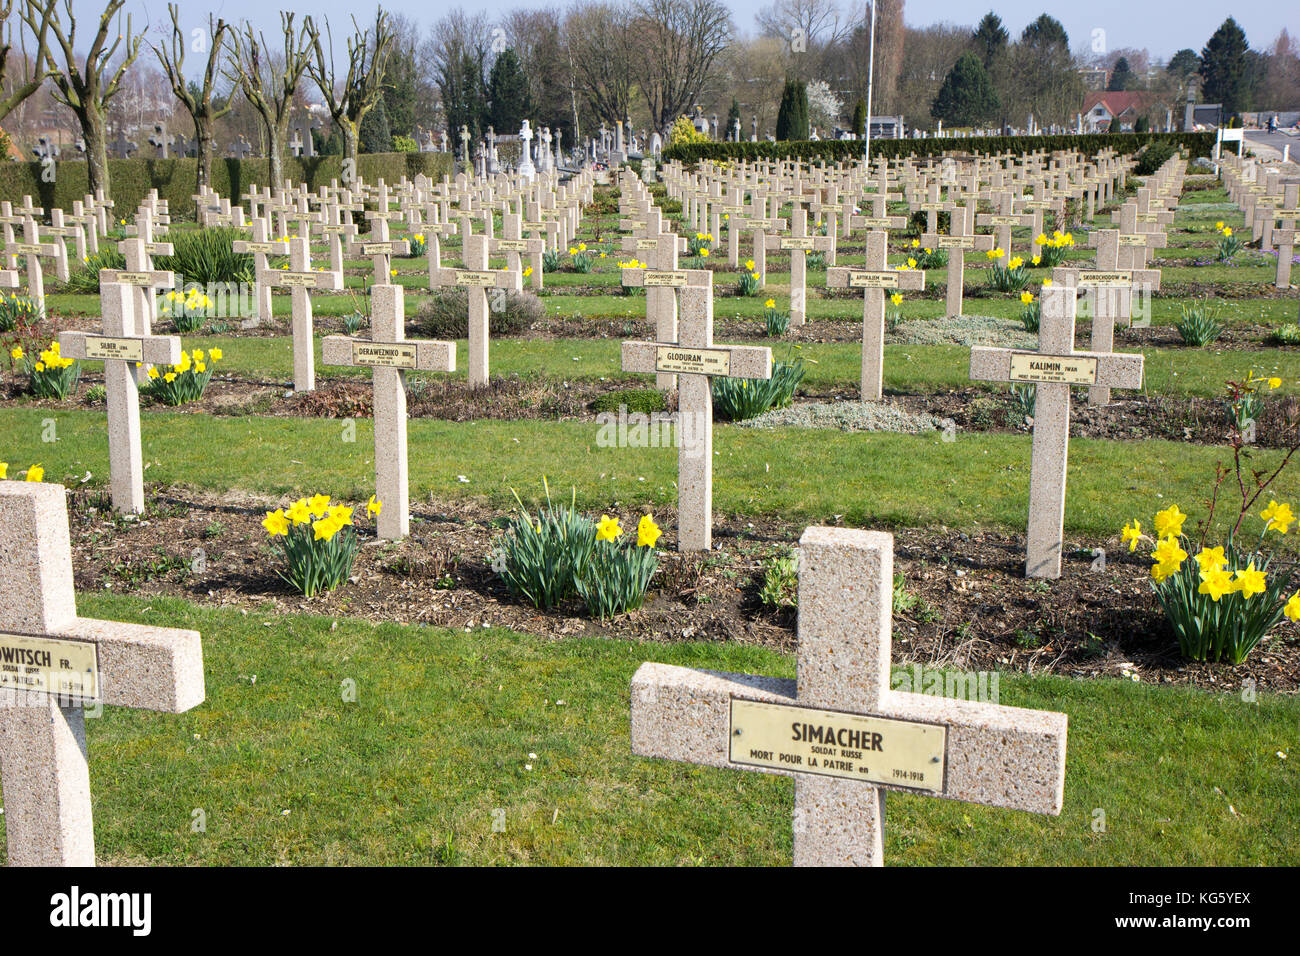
[1104, 280]
[384, 354]
[675, 358]
[44, 665]
[1003, 220]
[133, 278]
[376, 248]
[873, 280]
[1060, 369]
[1036, 204]
[1286, 213]
[1134, 238]
[799, 244]
[103, 347]
[676, 280]
[300, 279]
[26, 248]
[513, 245]
[956, 242]
[159, 248]
[647, 244]
[482, 280]
[930, 206]
[887, 750]
[263, 248]
[535, 226]
[874, 222]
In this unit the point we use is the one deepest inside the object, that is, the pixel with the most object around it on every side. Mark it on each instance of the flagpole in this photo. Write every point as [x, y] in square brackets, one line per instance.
[871, 69]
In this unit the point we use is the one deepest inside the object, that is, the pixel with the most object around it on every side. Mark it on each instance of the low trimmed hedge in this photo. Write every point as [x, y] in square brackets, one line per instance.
[176, 179]
[1197, 144]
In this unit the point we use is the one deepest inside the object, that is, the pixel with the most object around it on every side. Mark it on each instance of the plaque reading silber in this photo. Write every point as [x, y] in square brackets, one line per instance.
[45, 665]
[1060, 369]
[676, 358]
[384, 354]
[901, 753]
[103, 347]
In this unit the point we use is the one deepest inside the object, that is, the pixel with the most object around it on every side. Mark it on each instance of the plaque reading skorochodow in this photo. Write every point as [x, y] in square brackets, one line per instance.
[45, 665]
[1060, 369]
[676, 358]
[1104, 280]
[902, 753]
[384, 354]
[102, 347]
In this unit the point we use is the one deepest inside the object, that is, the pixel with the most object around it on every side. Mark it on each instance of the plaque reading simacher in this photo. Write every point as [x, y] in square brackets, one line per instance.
[384, 354]
[676, 280]
[481, 279]
[675, 358]
[103, 347]
[45, 665]
[873, 280]
[902, 753]
[1063, 369]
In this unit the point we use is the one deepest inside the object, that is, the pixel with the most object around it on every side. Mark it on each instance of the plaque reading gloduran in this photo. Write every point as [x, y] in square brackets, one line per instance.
[481, 279]
[384, 354]
[676, 358]
[902, 753]
[676, 280]
[104, 347]
[45, 665]
[1061, 369]
[873, 280]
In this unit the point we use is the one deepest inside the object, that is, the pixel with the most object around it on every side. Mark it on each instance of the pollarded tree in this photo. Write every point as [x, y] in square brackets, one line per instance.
[31, 72]
[270, 86]
[792, 114]
[85, 86]
[197, 97]
[967, 97]
[1223, 68]
[509, 102]
[350, 97]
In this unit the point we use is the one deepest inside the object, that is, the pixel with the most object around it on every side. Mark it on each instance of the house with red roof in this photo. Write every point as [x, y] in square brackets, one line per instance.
[1106, 111]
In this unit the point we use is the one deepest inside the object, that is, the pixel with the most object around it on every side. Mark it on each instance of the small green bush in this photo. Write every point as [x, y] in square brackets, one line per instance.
[446, 313]
[736, 399]
[647, 401]
[1198, 326]
[207, 256]
[540, 558]
[1288, 334]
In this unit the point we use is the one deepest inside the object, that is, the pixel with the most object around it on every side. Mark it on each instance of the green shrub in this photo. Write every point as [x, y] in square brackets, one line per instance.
[1288, 334]
[780, 582]
[540, 559]
[207, 256]
[1011, 277]
[1198, 326]
[18, 313]
[776, 321]
[551, 260]
[1153, 157]
[85, 278]
[736, 399]
[445, 315]
[355, 321]
[646, 401]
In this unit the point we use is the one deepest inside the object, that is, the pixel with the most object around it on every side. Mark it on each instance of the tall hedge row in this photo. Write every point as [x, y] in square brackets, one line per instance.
[1197, 144]
[176, 179]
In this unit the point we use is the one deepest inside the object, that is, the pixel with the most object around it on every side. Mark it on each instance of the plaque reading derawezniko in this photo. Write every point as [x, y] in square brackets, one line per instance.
[44, 665]
[384, 354]
[1060, 369]
[902, 753]
[676, 358]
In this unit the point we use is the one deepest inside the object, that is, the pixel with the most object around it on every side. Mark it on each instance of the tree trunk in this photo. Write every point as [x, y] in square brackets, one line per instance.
[95, 133]
[203, 151]
[278, 134]
[351, 132]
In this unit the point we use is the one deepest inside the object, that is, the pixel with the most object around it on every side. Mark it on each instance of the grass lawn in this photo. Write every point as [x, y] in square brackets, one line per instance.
[434, 750]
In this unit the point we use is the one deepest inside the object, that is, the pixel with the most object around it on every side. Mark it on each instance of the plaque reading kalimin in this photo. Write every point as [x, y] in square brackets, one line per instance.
[1058, 369]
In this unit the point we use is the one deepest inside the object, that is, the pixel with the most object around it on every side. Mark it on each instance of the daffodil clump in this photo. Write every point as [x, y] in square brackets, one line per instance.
[540, 555]
[737, 399]
[34, 473]
[1031, 314]
[700, 246]
[50, 375]
[923, 257]
[750, 280]
[419, 245]
[581, 259]
[1008, 276]
[187, 310]
[184, 382]
[620, 567]
[18, 312]
[317, 541]
[1222, 600]
[1228, 245]
[776, 320]
[1246, 399]
[1052, 249]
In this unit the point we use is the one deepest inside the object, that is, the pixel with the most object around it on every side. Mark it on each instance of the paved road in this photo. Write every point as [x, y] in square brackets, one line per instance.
[1270, 145]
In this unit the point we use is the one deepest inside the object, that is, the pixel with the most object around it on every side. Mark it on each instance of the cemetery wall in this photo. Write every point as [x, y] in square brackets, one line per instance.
[1197, 144]
[176, 179]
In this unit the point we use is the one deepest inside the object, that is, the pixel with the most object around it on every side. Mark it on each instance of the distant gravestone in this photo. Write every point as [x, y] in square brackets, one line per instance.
[122, 147]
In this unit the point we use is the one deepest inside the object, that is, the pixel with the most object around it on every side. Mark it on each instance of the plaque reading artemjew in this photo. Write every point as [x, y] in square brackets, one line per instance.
[902, 753]
[45, 665]
[102, 347]
[384, 354]
[674, 280]
[676, 358]
[1059, 369]
[873, 280]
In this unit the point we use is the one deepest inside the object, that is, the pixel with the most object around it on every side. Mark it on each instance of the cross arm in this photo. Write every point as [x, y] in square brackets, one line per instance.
[32, 248]
[1113, 369]
[677, 278]
[379, 247]
[145, 667]
[429, 356]
[476, 278]
[842, 277]
[157, 349]
[148, 278]
[998, 756]
[287, 278]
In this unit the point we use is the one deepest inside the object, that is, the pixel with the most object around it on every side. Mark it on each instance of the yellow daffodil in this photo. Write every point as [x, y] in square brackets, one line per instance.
[1131, 533]
[200, 367]
[1277, 517]
[1216, 583]
[1169, 523]
[1047, 283]
[1026, 298]
[326, 528]
[1169, 553]
[299, 512]
[153, 372]
[770, 304]
[276, 523]
[607, 529]
[749, 264]
[1211, 559]
[911, 263]
[35, 473]
[1292, 607]
[1218, 225]
[1275, 382]
[318, 505]
[342, 514]
[647, 532]
[215, 355]
[1250, 582]
[4, 470]
[16, 352]
[896, 298]
[1036, 260]
[373, 506]
[169, 377]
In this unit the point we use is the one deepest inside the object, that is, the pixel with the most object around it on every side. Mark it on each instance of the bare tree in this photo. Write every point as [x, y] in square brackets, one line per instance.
[679, 42]
[808, 30]
[350, 99]
[459, 48]
[270, 87]
[602, 48]
[34, 70]
[196, 98]
[86, 87]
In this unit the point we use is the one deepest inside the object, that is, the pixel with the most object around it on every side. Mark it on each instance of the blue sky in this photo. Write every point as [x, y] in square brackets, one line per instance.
[1163, 26]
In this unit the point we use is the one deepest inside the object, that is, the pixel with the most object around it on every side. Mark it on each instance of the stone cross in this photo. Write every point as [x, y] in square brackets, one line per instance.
[1284, 236]
[300, 278]
[476, 278]
[259, 247]
[379, 247]
[799, 243]
[159, 141]
[121, 348]
[241, 148]
[873, 280]
[70, 662]
[761, 225]
[695, 360]
[515, 246]
[1003, 221]
[122, 146]
[1053, 369]
[389, 354]
[1133, 244]
[961, 240]
[32, 250]
[839, 729]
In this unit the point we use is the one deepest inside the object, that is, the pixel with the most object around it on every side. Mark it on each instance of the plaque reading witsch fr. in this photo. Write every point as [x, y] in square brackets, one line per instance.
[1060, 369]
[384, 354]
[676, 358]
[45, 665]
[104, 347]
[902, 753]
